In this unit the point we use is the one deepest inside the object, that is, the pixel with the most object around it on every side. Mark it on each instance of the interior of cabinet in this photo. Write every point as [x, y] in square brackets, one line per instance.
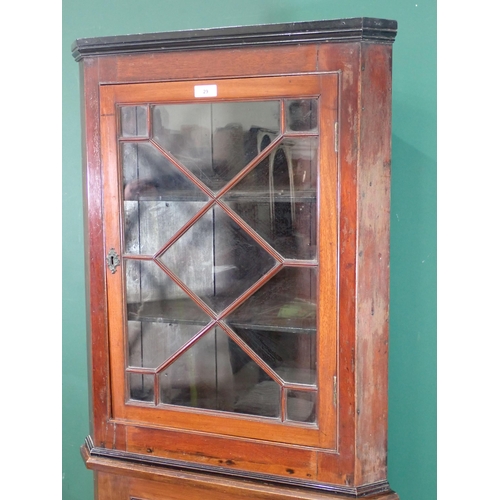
[219, 210]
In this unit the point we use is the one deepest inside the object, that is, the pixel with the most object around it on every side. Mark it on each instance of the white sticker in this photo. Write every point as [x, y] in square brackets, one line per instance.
[205, 90]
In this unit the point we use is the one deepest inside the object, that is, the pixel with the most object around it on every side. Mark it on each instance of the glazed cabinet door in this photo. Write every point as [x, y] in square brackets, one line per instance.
[220, 219]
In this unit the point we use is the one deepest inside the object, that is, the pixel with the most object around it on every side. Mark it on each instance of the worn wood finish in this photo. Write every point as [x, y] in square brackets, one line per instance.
[346, 453]
[228, 63]
[184, 418]
[353, 30]
[372, 321]
[123, 481]
[94, 255]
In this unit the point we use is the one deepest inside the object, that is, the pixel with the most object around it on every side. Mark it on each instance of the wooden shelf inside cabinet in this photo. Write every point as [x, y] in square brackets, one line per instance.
[296, 317]
[281, 196]
[238, 260]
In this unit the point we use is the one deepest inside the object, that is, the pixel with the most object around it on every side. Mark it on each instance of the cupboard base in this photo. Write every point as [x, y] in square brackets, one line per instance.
[117, 479]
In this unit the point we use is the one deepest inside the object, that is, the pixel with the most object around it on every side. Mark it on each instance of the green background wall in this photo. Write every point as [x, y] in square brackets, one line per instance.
[412, 371]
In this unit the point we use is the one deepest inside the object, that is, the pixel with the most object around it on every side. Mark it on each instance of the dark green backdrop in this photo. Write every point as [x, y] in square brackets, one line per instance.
[412, 370]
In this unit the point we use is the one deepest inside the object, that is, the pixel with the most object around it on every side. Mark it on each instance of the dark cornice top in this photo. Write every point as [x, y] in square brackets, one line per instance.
[338, 30]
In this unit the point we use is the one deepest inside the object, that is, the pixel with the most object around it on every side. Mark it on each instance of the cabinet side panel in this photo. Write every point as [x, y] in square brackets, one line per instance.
[94, 252]
[373, 263]
[345, 59]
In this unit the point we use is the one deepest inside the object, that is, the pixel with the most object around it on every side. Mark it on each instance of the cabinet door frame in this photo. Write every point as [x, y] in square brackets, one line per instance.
[325, 86]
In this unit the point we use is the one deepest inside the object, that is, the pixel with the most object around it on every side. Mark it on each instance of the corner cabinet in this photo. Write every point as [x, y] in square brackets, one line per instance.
[237, 240]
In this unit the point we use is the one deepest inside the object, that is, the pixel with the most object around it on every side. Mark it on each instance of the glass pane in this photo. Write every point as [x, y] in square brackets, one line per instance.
[278, 198]
[217, 259]
[151, 344]
[141, 387]
[158, 198]
[156, 327]
[278, 322]
[150, 224]
[216, 374]
[302, 115]
[263, 400]
[149, 175]
[301, 406]
[134, 121]
[153, 297]
[214, 140]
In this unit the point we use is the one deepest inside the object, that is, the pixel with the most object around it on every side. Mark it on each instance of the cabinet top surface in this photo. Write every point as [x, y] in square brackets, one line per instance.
[337, 30]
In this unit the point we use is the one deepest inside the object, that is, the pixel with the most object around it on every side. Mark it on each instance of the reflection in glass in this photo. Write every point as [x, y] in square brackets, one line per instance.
[133, 121]
[262, 400]
[214, 140]
[148, 174]
[156, 327]
[216, 374]
[302, 115]
[301, 406]
[278, 198]
[217, 259]
[198, 238]
[141, 387]
[279, 323]
[151, 343]
[153, 296]
[158, 198]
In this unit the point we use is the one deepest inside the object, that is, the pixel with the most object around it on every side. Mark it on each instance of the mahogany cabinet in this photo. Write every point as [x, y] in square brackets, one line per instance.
[237, 189]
